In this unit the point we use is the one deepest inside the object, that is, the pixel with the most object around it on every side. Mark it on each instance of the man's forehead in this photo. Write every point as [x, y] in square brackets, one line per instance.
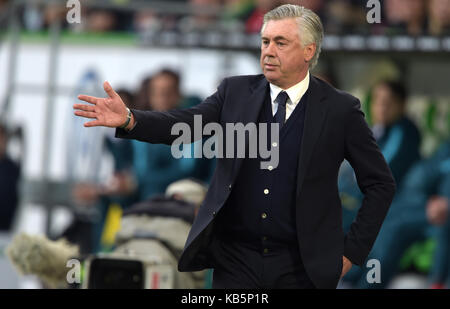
[287, 28]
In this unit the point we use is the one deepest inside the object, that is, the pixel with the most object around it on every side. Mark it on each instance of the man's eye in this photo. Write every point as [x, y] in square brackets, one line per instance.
[280, 44]
[265, 42]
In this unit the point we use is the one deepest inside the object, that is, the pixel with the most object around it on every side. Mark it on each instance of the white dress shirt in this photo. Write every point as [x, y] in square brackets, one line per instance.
[295, 94]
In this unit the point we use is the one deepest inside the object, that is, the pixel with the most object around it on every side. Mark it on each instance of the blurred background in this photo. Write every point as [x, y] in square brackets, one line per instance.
[124, 208]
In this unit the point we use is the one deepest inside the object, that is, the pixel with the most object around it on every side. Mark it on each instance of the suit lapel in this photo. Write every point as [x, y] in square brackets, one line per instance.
[315, 115]
[251, 109]
[254, 103]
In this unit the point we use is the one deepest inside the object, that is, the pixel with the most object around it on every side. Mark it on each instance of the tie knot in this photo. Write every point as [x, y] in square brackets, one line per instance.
[282, 98]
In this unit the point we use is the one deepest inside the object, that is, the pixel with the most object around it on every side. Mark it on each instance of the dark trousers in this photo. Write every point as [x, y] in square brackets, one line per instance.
[242, 266]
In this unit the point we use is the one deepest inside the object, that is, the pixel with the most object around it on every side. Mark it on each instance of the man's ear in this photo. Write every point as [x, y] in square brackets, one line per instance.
[309, 51]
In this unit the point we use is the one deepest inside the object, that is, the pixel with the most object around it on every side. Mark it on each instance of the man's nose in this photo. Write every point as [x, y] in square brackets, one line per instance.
[270, 50]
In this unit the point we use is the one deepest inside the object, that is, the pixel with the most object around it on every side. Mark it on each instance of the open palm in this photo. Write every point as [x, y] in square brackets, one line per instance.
[108, 112]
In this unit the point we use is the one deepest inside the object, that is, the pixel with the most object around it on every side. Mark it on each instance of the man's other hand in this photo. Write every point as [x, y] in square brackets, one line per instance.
[108, 112]
[346, 265]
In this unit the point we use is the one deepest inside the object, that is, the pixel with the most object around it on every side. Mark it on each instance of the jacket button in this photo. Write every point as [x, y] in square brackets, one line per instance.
[214, 213]
[229, 186]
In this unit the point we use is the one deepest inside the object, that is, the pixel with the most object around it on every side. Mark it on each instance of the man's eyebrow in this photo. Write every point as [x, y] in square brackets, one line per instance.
[277, 38]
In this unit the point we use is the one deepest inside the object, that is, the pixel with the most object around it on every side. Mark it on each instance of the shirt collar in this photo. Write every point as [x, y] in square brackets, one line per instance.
[295, 92]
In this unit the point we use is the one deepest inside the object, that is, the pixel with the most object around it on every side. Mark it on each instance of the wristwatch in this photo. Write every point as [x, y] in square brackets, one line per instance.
[128, 119]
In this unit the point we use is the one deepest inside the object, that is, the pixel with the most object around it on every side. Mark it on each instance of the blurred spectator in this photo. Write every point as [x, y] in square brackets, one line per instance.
[405, 16]
[255, 21]
[204, 15]
[101, 21]
[167, 83]
[107, 20]
[236, 12]
[439, 17]
[154, 166]
[54, 13]
[396, 135]
[345, 16]
[9, 180]
[420, 210]
[33, 16]
[164, 90]
[146, 20]
[3, 5]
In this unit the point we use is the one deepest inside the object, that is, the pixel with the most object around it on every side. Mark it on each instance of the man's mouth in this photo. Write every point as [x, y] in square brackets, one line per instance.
[269, 65]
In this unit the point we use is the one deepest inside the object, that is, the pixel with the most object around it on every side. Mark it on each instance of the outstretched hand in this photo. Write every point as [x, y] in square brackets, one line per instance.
[108, 112]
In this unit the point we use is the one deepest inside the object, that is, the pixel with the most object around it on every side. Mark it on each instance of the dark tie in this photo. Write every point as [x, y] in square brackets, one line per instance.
[280, 115]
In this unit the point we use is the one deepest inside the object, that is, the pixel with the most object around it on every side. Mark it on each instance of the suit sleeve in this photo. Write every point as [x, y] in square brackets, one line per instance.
[374, 180]
[155, 127]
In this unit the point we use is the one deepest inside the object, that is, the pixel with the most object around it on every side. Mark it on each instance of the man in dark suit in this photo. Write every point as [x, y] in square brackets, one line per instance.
[278, 227]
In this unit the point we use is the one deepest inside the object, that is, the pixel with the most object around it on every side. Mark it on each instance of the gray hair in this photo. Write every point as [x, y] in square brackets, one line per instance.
[309, 24]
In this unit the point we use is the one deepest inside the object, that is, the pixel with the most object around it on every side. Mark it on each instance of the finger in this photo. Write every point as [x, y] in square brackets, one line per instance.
[84, 107]
[94, 123]
[88, 99]
[86, 114]
[109, 90]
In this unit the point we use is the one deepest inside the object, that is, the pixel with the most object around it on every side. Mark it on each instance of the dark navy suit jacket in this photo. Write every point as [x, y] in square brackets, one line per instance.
[334, 129]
